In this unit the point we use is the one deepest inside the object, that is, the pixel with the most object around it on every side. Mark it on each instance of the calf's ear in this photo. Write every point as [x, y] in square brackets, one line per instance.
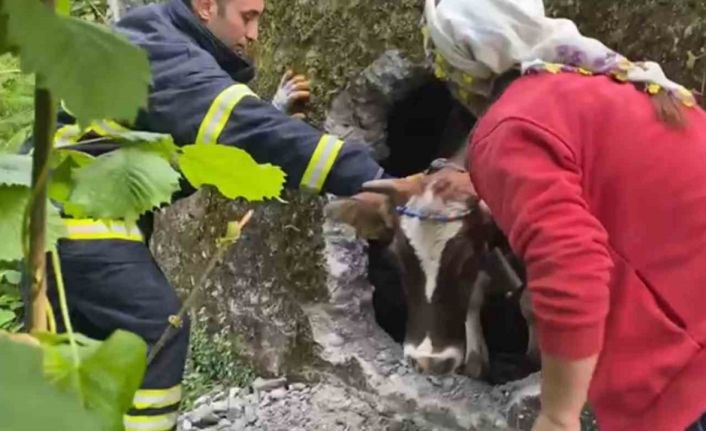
[371, 214]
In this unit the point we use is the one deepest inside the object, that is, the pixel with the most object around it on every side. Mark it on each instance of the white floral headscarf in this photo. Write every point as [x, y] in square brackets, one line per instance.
[472, 42]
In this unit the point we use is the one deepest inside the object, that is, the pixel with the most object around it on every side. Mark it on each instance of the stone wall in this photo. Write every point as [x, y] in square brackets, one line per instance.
[296, 297]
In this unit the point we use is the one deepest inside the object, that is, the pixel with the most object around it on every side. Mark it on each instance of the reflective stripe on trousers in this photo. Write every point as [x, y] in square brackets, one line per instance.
[164, 422]
[89, 229]
[154, 410]
[157, 398]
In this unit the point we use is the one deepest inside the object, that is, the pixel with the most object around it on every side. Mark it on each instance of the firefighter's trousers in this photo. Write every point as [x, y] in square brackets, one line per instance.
[113, 282]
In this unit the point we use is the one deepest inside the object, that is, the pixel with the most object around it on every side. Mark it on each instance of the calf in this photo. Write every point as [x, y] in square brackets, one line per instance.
[439, 247]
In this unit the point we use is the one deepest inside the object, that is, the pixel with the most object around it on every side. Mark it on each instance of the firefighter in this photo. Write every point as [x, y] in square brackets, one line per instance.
[199, 95]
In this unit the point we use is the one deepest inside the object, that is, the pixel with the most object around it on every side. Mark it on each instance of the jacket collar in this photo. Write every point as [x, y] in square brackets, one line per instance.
[239, 68]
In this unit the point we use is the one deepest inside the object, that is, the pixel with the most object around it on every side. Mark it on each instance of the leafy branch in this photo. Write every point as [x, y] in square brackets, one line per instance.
[45, 118]
[176, 321]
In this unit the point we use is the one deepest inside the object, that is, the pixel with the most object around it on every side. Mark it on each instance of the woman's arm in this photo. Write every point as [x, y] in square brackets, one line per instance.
[530, 180]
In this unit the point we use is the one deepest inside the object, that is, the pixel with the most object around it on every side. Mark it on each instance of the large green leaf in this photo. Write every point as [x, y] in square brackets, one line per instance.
[122, 184]
[159, 143]
[22, 380]
[13, 202]
[108, 376]
[61, 182]
[233, 171]
[96, 72]
[15, 169]
[10, 276]
[6, 316]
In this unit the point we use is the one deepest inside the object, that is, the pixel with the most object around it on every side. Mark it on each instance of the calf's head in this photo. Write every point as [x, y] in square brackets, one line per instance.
[437, 245]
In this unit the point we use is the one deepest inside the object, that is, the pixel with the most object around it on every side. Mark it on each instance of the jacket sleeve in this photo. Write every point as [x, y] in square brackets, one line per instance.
[195, 101]
[531, 182]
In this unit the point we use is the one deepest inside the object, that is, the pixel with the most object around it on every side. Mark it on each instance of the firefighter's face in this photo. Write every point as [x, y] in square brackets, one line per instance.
[233, 22]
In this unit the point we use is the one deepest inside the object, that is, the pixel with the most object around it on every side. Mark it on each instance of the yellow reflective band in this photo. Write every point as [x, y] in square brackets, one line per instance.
[321, 162]
[108, 128]
[217, 116]
[89, 229]
[70, 134]
[156, 398]
[67, 135]
[163, 422]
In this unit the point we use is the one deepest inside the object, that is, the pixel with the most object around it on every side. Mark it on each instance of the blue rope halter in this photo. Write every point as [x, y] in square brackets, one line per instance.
[436, 165]
[442, 218]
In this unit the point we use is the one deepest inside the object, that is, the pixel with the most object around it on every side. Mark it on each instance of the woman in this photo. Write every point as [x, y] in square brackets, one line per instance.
[595, 169]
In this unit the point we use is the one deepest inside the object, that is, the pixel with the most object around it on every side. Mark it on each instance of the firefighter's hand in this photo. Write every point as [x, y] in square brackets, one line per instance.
[292, 89]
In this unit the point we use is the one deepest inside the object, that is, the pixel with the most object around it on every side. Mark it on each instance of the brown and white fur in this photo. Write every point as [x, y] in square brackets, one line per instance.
[440, 270]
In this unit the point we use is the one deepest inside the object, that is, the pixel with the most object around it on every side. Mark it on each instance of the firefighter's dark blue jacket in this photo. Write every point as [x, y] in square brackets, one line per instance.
[198, 94]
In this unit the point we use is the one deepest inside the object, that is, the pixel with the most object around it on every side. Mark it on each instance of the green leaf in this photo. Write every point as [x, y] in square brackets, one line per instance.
[13, 202]
[63, 7]
[233, 171]
[6, 317]
[690, 60]
[10, 300]
[95, 71]
[11, 276]
[122, 184]
[113, 374]
[160, 143]
[61, 181]
[15, 169]
[17, 139]
[22, 379]
[108, 376]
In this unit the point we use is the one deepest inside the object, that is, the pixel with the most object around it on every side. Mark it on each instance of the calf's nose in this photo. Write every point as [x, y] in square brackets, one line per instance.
[422, 358]
[432, 365]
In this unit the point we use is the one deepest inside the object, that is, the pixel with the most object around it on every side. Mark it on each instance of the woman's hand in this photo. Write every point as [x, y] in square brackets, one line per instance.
[547, 423]
[451, 185]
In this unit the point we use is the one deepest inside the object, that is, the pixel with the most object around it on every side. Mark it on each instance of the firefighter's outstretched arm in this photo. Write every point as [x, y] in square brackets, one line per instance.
[204, 105]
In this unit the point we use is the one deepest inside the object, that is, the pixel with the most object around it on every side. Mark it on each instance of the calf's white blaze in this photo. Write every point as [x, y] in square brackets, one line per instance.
[428, 238]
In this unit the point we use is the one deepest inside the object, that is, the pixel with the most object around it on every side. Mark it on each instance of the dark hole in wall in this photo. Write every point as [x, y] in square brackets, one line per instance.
[426, 124]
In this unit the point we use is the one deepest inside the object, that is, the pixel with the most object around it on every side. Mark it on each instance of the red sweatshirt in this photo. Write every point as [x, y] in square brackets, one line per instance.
[606, 205]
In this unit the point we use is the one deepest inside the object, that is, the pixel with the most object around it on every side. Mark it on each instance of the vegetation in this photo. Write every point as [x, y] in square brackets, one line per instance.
[213, 361]
[79, 382]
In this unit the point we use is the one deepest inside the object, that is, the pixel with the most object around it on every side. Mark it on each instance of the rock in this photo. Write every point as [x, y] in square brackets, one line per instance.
[361, 111]
[186, 425]
[263, 385]
[239, 425]
[203, 416]
[202, 400]
[250, 414]
[220, 407]
[234, 392]
[224, 424]
[235, 410]
[278, 393]
[297, 386]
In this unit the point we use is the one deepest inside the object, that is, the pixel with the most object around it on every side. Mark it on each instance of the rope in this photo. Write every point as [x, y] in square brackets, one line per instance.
[441, 218]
